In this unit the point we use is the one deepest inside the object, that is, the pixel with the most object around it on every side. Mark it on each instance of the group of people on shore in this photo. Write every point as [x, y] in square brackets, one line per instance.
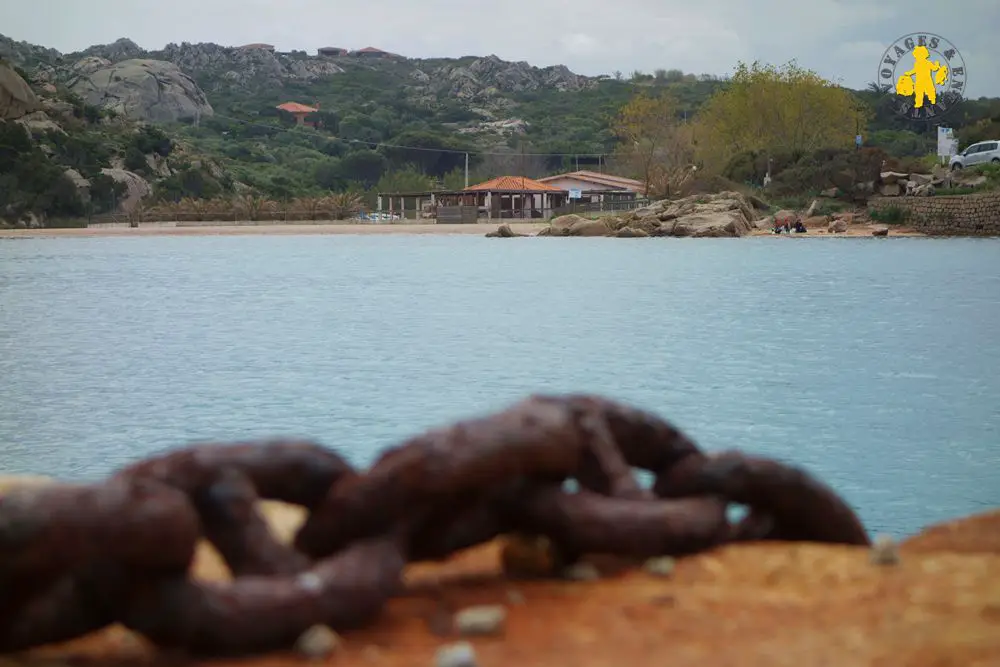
[788, 228]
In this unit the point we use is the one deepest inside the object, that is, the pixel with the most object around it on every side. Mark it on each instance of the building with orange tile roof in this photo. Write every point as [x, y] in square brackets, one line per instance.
[504, 197]
[299, 111]
[513, 184]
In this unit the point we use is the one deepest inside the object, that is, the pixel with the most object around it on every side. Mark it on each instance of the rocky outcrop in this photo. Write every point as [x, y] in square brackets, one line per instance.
[246, 68]
[81, 183]
[16, 97]
[151, 90]
[468, 81]
[504, 231]
[25, 54]
[116, 51]
[727, 214]
[503, 128]
[486, 85]
[89, 64]
[898, 184]
[39, 121]
[136, 187]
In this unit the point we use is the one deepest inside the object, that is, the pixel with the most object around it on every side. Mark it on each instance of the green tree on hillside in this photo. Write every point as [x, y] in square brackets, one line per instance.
[784, 109]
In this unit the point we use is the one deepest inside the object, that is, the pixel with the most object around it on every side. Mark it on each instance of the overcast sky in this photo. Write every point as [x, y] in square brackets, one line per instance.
[840, 39]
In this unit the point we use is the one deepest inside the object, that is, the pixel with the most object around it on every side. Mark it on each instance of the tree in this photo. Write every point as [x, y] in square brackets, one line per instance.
[364, 166]
[784, 109]
[408, 179]
[432, 153]
[653, 142]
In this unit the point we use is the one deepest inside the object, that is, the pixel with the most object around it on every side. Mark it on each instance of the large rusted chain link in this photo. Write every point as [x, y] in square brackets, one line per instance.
[76, 558]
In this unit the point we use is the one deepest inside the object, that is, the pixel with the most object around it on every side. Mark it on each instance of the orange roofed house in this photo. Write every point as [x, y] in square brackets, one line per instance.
[299, 111]
[505, 197]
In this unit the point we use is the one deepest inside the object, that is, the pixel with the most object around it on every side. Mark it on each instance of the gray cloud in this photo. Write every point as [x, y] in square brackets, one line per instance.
[840, 39]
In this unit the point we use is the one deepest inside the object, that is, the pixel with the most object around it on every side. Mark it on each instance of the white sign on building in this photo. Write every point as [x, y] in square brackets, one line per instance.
[575, 193]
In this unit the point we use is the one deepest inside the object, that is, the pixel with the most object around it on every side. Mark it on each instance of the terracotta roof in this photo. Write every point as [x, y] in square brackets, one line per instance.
[516, 183]
[295, 107]
[370, 49]
[595, 177]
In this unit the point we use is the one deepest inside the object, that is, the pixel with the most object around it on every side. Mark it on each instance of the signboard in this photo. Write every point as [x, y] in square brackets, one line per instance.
[858, 141]
[575, 194]
[947, 144]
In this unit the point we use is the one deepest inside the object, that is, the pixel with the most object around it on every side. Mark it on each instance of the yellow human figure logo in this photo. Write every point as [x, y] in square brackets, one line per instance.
[923, 79]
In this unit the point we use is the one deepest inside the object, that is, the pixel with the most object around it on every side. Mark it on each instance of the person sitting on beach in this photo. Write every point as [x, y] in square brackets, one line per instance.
[799, 227]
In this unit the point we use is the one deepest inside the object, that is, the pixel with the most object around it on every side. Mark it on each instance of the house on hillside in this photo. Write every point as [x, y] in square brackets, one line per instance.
[372, 52]
[504, 198]
[258, 47]
[299, 111]
[332, 51]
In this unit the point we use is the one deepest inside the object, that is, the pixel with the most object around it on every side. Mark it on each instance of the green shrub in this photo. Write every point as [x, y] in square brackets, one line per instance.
[890, 215]
[961, 190]
[151, 139]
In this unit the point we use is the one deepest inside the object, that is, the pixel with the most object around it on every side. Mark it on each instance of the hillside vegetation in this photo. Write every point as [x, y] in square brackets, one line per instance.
[212, 129]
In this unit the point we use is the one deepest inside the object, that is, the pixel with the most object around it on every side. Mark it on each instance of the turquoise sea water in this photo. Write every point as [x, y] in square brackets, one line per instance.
[874, 363]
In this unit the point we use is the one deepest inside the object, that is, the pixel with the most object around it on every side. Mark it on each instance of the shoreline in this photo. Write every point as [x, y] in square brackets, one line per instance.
[396, 229]
[291, 229]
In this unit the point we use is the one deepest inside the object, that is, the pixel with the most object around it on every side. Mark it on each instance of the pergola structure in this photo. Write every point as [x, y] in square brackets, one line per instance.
[505, 197]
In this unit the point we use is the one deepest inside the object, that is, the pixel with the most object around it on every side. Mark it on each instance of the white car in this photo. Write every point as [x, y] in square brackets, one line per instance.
[984, 152]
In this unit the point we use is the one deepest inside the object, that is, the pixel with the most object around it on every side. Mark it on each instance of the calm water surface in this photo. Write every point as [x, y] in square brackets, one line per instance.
[874, 363]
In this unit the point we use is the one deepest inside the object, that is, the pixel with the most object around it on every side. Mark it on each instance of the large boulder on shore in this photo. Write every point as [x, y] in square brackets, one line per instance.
[723, 214]
[726, 214]
[575, 225]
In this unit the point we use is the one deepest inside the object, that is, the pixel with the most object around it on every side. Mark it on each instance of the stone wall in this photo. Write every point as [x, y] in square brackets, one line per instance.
[954, 215]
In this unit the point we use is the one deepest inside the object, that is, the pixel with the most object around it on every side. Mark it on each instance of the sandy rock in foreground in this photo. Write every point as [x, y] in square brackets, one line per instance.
[747, 605]
[979, 533]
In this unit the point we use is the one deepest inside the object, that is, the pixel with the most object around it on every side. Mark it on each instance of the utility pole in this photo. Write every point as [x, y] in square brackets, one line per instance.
[466, 170]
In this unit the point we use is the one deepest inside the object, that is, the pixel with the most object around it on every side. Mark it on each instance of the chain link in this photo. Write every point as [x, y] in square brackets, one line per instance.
[76, 558]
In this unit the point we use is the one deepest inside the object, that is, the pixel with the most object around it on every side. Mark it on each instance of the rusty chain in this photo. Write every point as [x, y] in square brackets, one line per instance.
[77, 558]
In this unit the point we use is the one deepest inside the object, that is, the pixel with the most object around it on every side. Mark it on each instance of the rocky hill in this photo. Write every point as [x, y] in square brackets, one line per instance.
[229, 73]
[383, 122]
[65, 158]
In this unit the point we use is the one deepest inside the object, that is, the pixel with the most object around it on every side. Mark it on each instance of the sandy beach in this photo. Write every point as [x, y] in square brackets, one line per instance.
[478, 229]
[161, 229]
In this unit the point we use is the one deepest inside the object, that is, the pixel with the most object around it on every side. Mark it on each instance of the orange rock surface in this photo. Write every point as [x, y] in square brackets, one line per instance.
[746, 605]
